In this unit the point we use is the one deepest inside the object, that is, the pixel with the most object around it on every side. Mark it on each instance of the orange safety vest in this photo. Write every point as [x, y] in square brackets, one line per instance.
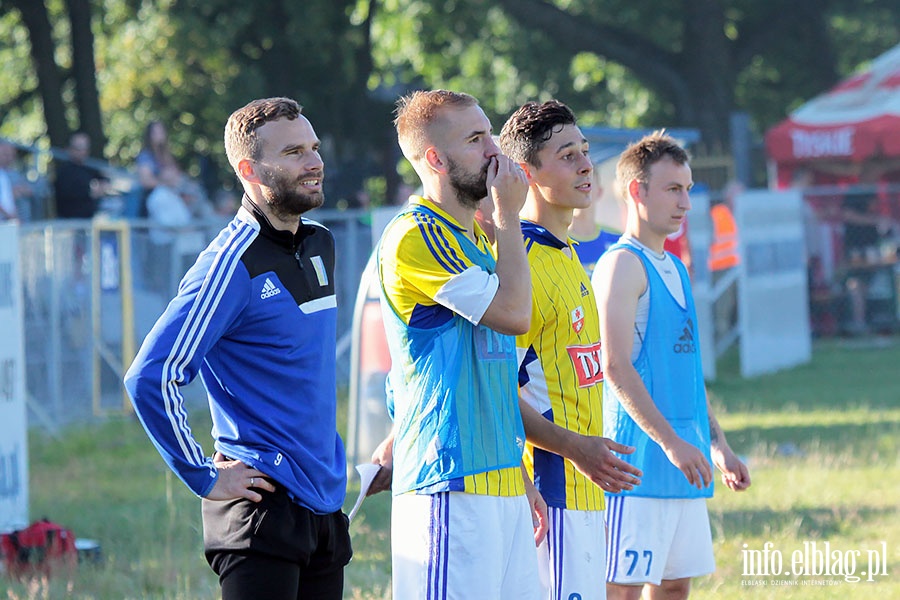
[723, 253]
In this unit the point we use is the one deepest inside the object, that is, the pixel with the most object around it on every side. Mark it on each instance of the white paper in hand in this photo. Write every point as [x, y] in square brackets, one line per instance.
[367, 474]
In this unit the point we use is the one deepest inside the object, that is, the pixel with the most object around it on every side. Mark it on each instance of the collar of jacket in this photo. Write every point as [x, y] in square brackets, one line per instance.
[280, 236]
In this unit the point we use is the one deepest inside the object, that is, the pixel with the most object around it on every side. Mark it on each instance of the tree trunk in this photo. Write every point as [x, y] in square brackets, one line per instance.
[84, 71]
[707, 69]
[696, 81]
[382, 138]
[36, 20]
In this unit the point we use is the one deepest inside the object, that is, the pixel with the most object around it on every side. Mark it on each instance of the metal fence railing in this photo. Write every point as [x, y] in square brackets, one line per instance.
[76, 323]
[81, 306]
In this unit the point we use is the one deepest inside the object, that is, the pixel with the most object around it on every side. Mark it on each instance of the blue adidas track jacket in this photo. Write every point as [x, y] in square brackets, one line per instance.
[255, 317]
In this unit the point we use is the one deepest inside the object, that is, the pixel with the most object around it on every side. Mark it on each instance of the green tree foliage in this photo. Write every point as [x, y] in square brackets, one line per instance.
[189, 63]
[474, 46]
[623, 62]
[822, 43]
[21, 116]
[36, 17]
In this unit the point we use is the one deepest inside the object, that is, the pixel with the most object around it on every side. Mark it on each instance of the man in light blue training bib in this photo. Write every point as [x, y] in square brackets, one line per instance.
[654, 395]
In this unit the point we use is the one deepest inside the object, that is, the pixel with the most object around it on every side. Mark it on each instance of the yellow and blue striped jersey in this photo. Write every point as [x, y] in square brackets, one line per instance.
[559, 370]
[428, 280]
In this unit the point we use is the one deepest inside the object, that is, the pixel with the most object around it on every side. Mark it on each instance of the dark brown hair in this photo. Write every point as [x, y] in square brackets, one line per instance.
[241, 140]
[636, 160]
[529, 128]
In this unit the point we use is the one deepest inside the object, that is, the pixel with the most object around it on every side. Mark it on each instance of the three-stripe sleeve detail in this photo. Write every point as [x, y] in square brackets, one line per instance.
[186, 342]
[438, 245]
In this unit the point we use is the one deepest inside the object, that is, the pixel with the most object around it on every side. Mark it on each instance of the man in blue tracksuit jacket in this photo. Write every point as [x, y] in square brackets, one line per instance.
[255, 317]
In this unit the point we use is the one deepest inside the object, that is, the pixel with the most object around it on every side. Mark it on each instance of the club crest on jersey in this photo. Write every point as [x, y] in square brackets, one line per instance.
[578, 319]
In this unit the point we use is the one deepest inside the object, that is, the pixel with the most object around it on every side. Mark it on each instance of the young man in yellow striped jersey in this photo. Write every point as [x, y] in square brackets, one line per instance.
[559, 374]
[462, 525]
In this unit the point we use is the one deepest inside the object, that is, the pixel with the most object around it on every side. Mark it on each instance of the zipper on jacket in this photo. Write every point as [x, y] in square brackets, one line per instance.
[297, 256]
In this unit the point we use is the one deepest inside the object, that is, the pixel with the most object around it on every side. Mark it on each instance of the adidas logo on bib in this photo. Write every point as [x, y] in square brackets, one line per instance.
[685, 343]
[269, 289]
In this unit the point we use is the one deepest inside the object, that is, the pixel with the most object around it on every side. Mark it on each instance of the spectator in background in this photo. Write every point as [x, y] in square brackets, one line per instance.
[8, 211]
[678, 245]
[724, 256]
[863, 231]
[155, 155]
[176, 201]
[194, 196]
[78, 186]
[17, 194]
[863, 226]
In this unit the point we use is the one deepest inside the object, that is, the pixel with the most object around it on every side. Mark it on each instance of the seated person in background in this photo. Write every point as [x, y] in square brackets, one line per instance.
[165, 204]
[169, 206]
[177, 200]
[863, 230]
[77, 186]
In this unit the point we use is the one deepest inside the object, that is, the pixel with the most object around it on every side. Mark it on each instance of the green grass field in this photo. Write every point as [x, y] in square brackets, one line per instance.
[822, 442]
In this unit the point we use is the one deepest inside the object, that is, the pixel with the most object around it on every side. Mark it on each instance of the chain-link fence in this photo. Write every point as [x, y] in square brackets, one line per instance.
[76, 312]
[85, 282]
[853, 240]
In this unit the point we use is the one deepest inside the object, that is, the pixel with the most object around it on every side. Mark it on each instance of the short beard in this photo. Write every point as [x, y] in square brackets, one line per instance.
[285, 198]
[470, 189]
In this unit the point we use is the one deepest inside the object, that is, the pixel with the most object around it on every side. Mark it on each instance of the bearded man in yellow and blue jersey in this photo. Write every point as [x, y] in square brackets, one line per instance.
[462, 524]
[559, 375]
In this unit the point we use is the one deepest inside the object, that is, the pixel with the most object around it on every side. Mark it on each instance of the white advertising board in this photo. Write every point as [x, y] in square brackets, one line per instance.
[13, 425]
[773, 293]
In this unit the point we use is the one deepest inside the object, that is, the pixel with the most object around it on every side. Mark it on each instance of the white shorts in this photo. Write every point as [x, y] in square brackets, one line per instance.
[458, 546]
[651, 539]
[572, 557]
